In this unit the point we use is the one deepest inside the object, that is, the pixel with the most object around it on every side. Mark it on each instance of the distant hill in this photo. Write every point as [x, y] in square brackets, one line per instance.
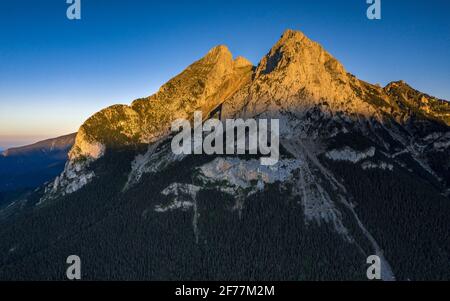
[32, 165]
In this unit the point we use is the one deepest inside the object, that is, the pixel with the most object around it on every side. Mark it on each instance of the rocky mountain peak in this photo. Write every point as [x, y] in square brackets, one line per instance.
[397, 84]
[242, 62]
[297, 74]
[295, 50]
[221, 55]
[218, 53]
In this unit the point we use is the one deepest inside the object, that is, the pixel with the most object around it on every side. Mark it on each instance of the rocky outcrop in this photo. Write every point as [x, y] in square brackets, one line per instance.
[411, 101]
[236, 176]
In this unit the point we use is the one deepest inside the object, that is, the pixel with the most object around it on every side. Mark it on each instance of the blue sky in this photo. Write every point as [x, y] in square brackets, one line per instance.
[54, 73]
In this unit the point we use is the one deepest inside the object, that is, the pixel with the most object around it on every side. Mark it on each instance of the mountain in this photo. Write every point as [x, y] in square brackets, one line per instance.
[363, 170]
[42, 148]
[32, 165]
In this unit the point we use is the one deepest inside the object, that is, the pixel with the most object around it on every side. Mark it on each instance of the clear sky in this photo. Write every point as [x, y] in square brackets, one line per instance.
[54, 73]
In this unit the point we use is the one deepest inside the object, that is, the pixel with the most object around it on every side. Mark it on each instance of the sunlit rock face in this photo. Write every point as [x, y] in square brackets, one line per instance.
[296, 75]
[86, 147]
[202, 86]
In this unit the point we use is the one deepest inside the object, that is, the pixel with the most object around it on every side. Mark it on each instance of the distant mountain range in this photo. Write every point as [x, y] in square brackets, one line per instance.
[32, 165]
[364, 170]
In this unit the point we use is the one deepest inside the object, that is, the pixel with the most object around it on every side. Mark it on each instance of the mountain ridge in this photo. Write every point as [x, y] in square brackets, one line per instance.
[296, 76]
[222, 58]
[50, 144]
[30, 166]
